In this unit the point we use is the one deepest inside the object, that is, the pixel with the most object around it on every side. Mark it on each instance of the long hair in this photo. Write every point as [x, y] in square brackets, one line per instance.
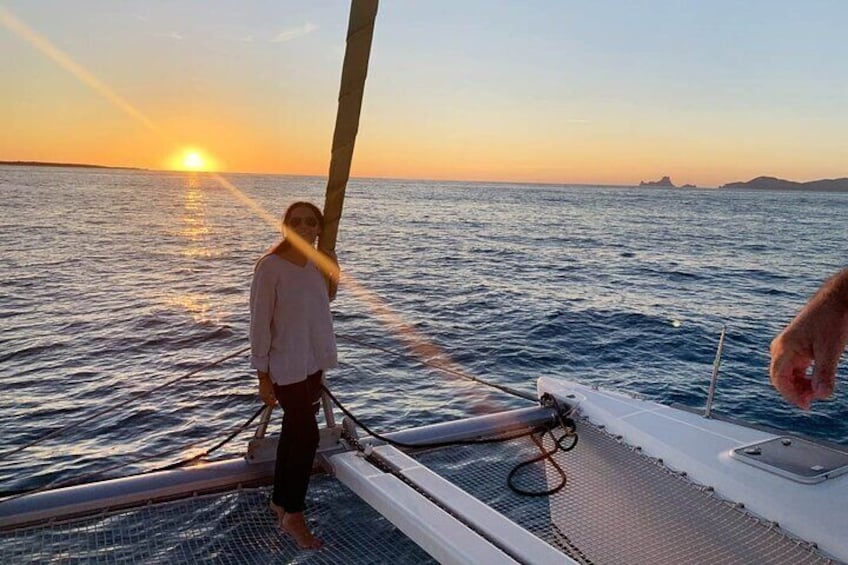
[284, 244]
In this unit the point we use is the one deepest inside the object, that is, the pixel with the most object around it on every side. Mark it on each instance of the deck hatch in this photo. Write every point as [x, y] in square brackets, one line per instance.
[795, 458]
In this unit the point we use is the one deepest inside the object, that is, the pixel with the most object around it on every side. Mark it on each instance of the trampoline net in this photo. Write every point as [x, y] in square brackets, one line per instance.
[235, 527]
[618, 506]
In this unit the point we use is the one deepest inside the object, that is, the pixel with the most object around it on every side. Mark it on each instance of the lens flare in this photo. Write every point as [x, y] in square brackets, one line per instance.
[191, 160]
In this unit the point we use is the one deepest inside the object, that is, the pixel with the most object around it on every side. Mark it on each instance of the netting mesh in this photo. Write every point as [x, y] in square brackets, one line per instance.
[618, 506]
[236, 527]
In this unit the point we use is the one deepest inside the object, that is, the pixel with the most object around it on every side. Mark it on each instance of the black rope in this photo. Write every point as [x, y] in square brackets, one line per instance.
[427, 445]
[133, 398]
[558, 446]
[569, 432]
[566, 423]
[98, 475]
[502, 388]
[212, 449]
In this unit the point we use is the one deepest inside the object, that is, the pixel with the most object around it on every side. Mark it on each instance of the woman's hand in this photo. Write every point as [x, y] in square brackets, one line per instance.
[266, 389]
[333, 275]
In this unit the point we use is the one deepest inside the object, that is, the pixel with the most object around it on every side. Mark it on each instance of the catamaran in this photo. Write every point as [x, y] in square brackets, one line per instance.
[591, 475]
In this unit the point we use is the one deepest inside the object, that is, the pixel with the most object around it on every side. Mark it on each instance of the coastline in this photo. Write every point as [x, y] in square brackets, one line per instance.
[65, 165]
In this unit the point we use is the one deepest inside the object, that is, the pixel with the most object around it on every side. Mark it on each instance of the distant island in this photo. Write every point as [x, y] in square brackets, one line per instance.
[76, 165]
[664, 182]
[773, 183]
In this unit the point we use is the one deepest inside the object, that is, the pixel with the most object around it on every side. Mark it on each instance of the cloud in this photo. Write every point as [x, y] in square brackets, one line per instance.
[171, 35]
[294, 33]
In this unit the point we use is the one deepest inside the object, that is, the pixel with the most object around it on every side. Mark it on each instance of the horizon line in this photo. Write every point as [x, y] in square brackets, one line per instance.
[59, 164]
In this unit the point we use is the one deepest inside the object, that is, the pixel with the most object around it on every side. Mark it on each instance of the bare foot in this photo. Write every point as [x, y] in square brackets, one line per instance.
[278, 510]
[294, 524]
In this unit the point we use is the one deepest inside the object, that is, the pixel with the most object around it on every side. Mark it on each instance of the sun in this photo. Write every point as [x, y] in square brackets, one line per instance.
[193, 161]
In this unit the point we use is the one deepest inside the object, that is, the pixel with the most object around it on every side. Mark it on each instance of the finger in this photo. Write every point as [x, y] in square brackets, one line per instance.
[803, 390]
[778, 361]
[798, 391]
[787, 373]
[788, 370]
[824, 377]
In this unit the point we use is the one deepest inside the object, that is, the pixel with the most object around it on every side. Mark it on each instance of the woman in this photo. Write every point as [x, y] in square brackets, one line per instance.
[292, 343]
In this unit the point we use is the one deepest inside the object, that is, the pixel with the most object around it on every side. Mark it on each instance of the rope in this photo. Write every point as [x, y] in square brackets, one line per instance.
[135, 397]
[138, 396]
[569, 428]
[564, 421]
[11, 495]
[423, 445]
[212, 449]
[503, 388]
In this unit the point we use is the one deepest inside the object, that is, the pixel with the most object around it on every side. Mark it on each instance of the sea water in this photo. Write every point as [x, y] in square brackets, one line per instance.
[114, 282]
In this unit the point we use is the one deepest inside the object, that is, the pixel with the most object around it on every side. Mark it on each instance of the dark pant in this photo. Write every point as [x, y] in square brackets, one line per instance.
[298, 441]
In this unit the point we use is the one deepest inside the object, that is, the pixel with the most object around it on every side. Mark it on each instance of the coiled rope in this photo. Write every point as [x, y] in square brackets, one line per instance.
[569, 432]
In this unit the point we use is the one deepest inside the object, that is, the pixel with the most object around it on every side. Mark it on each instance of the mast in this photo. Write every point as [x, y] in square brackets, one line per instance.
[359, 33]
[360, 30]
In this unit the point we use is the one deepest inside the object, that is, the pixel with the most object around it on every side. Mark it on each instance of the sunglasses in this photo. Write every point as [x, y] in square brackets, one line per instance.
[311, 222]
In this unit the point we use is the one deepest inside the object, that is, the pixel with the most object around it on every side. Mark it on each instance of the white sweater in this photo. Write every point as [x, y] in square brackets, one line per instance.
[291, 326]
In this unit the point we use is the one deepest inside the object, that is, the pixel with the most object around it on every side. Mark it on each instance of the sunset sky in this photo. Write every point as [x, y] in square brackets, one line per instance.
[607, 92]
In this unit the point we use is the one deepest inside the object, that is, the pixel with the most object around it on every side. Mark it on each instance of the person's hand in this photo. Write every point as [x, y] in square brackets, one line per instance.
[334, 273]
[266, 389]
[817, 336]
[333, 276]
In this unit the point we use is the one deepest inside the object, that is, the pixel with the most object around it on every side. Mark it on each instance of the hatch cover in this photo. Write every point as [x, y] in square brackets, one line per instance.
[795, 458]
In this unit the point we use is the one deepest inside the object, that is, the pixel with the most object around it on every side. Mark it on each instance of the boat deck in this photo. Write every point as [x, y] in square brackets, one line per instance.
[618, 506]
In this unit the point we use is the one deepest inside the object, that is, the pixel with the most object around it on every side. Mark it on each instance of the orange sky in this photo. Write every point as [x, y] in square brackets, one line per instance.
[551, 100]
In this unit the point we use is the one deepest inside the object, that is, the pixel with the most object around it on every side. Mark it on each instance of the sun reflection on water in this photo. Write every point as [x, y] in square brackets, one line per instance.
[198, 305]
[198, 246]
[196, 230]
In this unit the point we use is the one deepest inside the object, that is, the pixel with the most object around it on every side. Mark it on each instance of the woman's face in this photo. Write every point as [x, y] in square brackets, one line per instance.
[305, 223]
